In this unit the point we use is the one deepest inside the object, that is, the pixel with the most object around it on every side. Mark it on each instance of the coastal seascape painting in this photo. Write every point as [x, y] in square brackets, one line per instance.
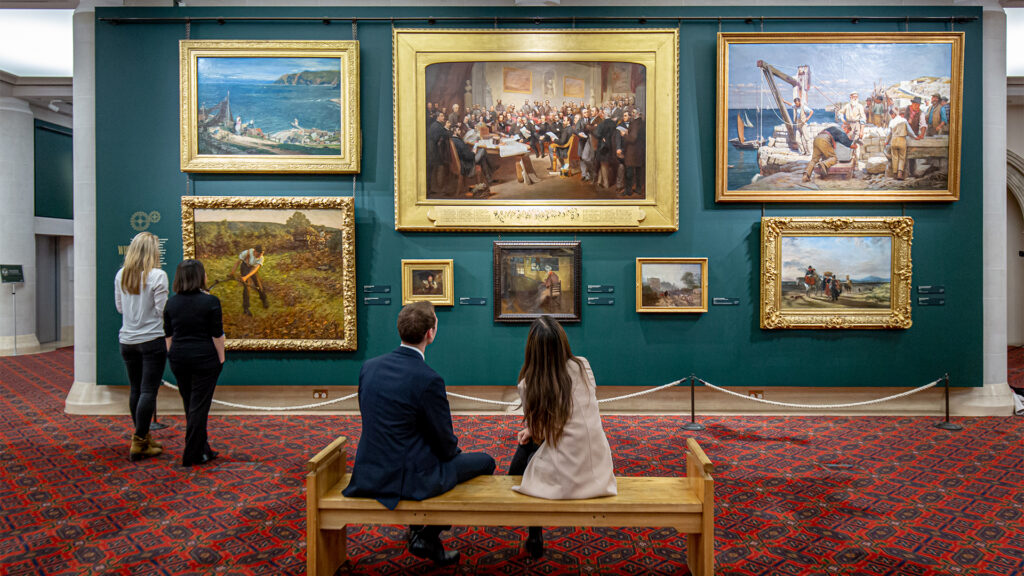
[283, 268]
[269, 107]
[836, 272]
[839, 117]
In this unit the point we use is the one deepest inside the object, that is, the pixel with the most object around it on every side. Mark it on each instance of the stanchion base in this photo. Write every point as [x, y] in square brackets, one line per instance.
[157, 425]
[949, 426]
[693, 426]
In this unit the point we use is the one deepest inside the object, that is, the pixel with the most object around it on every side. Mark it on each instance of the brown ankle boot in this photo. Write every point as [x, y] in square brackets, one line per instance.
[141, 449]
[153, 443]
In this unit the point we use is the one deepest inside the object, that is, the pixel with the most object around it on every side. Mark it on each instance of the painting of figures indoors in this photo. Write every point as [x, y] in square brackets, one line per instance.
[269, 106]
[279, 274]
[836, 272]
[542, 279]
[841, 120]
[536, 130]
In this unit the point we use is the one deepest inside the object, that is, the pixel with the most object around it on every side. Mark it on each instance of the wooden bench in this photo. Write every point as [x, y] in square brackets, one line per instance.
[686, 504]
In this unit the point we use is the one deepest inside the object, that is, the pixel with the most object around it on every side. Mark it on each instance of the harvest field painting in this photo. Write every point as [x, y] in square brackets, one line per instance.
[280, 274]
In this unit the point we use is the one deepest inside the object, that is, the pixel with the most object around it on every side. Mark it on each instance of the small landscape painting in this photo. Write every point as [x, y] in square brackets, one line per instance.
[671, 284]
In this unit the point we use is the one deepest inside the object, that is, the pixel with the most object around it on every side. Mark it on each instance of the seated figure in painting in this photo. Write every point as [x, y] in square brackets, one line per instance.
[562, 452]
[408, 450]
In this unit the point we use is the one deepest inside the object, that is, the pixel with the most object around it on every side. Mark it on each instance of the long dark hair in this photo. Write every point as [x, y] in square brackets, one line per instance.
[189, 277]
[547, 393]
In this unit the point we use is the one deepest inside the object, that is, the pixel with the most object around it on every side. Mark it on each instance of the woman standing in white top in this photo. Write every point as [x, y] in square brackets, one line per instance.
[563, 453]
[140, 293]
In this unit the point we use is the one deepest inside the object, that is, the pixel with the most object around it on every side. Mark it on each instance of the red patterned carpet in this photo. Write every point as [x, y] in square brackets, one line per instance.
[809, 495]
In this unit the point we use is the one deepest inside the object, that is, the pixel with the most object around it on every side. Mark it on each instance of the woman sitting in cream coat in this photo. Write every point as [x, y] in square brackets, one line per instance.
[563, 453]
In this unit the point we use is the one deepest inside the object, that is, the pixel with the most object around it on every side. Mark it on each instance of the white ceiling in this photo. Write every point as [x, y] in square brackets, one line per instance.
[36, 42]
[39, 42]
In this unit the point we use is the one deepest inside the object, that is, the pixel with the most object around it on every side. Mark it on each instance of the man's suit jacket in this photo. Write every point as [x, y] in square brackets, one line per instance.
[407, 443]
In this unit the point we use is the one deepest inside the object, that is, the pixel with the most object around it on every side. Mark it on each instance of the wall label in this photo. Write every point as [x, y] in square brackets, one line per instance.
[463, 301]
[377, 288]
[931, 301]
[936, 289]
[600, 288]
[600, 301]
[725, 301]
[376, 301]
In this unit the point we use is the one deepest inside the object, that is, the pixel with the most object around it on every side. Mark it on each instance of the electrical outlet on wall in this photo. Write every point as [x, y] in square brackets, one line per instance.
[320, 394]
[756, 394]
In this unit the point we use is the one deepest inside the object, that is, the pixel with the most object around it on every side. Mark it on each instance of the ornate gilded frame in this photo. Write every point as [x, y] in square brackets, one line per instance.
[703, 307]
[446, 298]
[658, 49]
[950, 193]
[773, 229]
[346, 161]
[575, 246]
[189, 204]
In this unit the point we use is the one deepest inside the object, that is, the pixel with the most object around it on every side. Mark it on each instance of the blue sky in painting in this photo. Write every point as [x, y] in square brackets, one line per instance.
[836, 69]
[858, 256]
[258, 69]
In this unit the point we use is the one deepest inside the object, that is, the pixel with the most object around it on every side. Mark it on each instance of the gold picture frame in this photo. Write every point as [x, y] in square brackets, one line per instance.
[675, 289]
[651, 55]
[779, 163]
[419, 282]
[823, 295]
[308, 283]
[282, 119]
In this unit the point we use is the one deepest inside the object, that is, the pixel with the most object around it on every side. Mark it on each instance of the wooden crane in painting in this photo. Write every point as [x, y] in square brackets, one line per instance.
[800, 86]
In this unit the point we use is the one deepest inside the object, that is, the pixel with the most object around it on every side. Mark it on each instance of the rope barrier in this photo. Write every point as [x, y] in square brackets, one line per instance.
[822, 406]
[601, 401]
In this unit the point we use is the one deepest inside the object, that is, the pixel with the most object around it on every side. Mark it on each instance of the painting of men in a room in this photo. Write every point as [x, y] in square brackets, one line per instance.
[536, 131]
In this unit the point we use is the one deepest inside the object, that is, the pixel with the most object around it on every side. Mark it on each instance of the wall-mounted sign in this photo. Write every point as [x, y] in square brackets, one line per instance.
[935, 289]
[11, 273]
[376, 301]
[931, 301]
[725, 301]
[377, 288]
[600, 301]
[472, 301]
[600, 288]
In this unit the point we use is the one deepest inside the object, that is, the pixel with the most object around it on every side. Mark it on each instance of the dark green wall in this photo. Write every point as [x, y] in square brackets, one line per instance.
[137, 170]
[54, 172]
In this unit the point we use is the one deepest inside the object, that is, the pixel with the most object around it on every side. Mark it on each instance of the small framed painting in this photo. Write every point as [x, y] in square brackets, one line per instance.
[836, 272]
[533, 279]
[671, 285]
[428, 280]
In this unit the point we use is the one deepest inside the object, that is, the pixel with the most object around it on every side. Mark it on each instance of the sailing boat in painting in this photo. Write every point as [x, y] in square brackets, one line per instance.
[740, 142]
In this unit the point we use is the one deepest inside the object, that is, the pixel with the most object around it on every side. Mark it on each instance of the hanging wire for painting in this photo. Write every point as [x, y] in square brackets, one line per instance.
[355, 30]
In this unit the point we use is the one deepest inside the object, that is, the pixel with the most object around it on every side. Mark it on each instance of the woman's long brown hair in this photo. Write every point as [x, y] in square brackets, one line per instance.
[547, 394]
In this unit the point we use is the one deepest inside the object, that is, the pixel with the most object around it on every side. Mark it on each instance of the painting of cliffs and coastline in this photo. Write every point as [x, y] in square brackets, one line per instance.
[293, 112]
[839, 117]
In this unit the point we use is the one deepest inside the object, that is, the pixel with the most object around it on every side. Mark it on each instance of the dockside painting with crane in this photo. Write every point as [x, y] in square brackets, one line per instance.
[839, 117]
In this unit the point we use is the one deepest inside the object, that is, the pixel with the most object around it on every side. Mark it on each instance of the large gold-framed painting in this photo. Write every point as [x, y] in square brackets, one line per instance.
[269, 106]
[283, 268]
[839, 117]
[536, 129]
[836, 272]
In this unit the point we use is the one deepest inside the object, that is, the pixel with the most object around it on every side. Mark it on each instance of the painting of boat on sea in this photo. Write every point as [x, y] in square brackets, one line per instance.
[839, 117]
[275, 110]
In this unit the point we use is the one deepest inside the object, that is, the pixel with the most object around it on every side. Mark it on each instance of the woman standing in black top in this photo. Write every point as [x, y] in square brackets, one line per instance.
[195, 344]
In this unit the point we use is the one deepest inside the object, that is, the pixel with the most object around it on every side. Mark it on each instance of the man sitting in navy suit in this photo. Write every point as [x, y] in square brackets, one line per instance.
[408, 449]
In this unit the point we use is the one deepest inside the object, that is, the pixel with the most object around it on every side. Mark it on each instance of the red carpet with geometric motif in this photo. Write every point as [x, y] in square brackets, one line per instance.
[795, 495]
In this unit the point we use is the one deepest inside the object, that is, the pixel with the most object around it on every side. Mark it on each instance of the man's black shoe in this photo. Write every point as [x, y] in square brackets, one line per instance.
[432, 549]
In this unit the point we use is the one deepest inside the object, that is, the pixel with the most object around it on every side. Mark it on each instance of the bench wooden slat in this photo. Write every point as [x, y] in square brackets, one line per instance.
[495, 494]
[338, 519]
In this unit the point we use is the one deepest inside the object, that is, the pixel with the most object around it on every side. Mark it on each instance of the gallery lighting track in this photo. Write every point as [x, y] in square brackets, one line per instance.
[540, 19]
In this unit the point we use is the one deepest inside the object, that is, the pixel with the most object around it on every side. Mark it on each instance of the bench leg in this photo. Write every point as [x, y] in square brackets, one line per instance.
[700, 554]
[328, 553]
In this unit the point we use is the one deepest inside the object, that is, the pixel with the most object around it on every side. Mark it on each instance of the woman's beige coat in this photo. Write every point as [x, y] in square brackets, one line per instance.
[581, 465]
